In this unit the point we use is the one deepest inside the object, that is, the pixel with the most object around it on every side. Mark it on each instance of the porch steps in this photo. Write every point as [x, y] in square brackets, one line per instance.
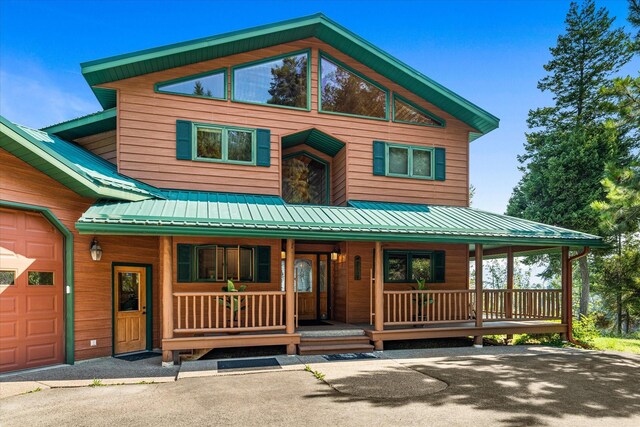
[196, 354]
[334, 345]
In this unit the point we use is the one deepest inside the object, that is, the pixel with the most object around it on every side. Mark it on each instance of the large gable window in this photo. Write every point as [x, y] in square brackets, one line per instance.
[305, 179]
[206, 85]
[282, 81]
[225, 144]
[406, 112]
[344, 91]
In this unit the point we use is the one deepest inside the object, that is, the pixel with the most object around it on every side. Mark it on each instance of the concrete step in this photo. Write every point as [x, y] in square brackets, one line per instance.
[349, 332]
[352, 339]
[308, 349]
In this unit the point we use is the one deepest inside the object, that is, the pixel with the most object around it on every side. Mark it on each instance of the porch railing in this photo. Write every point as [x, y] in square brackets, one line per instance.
[522, 304]
[413, 307]
[210, 312]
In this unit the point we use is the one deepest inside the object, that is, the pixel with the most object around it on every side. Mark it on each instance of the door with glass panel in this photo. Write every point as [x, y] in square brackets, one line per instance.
[305, 283]
[130, 309]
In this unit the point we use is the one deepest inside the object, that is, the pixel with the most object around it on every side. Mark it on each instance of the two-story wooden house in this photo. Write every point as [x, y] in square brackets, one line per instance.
[326, 179]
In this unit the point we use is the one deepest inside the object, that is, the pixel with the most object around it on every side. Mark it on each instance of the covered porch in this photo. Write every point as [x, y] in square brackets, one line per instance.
[360, 242]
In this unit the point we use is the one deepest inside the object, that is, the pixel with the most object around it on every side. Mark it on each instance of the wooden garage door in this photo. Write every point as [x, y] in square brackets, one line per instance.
[31, 291]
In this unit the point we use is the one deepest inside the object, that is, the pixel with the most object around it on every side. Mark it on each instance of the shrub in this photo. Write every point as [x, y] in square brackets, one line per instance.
[585, 331]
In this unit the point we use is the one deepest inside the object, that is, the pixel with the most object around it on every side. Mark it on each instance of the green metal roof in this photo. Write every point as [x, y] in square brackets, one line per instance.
[222, 214]
[73, 166]
[162, 58]
[314, 138]
[91, 124]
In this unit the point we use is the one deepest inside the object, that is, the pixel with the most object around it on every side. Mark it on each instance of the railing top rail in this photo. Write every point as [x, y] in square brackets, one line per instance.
[431, 291]
[522, 290]
[222, 294]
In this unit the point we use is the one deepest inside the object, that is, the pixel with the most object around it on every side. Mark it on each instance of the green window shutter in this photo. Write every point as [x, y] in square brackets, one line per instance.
[263, 263]
[183, 140]
[378, 158]
[440, 164]
[438, 266]
[263, 157]
[185, 262]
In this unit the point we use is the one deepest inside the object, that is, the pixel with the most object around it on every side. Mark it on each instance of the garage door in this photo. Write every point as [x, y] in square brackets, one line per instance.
[31, 291]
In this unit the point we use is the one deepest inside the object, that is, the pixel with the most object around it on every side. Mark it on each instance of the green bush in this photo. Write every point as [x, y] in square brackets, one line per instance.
[585, 330]
[545, 339]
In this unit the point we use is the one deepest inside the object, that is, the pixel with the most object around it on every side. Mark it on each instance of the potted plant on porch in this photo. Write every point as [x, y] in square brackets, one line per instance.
[234, 304]
[420, 301]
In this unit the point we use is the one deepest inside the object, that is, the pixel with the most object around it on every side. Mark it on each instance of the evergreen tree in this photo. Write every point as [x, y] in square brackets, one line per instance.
[289, 82]
[198, 89]
[570, 142]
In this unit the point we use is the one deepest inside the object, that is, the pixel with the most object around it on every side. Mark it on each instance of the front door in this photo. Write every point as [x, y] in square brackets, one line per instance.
[130, 298]
[305, 275]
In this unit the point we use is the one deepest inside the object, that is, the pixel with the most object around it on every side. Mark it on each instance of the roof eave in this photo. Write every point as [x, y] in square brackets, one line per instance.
[91, 124]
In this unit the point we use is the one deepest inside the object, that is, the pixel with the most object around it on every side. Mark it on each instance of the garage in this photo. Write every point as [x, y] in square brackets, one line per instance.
[31, 291]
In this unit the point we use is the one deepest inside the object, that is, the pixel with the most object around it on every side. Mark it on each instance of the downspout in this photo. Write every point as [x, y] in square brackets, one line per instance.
[584, 252]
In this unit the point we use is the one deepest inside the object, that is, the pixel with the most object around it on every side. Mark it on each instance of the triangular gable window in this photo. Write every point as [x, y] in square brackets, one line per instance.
[406, 112]
[212, 84]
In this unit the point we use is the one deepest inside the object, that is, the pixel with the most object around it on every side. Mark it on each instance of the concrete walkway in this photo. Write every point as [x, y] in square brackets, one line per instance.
[512, 386]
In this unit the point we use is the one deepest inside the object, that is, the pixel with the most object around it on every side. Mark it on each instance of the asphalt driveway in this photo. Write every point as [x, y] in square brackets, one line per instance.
[509, 386]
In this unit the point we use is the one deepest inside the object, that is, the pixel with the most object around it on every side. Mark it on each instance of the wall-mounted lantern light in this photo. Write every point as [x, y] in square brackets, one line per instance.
[283, 255]
[334, 255]
[96, 250]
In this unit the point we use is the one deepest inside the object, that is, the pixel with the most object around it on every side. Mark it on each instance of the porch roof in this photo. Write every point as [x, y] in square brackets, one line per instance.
[243, 215]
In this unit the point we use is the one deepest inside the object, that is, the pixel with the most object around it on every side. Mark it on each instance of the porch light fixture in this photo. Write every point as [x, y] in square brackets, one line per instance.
[96, 250]
[283, 254]
[334, 256]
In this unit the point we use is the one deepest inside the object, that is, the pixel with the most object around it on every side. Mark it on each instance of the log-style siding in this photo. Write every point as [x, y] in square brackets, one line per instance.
[103, 144]
[147, 147]
[358, 291]
[21, 183]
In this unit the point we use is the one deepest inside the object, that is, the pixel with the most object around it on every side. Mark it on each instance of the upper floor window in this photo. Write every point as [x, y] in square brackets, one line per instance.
[409, 161]
[224, 144]
[281, 81]
[406, 112]
[344, 91]
[305, 179]
[212, 84]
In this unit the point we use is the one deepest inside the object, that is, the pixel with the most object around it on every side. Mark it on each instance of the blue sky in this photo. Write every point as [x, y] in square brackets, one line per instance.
[490, 52]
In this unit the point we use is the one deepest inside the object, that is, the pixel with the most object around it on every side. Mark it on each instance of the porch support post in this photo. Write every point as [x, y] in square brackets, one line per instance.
[566, 289]
[508, 302]
[379, 295]
[166, 284]
[290, 292]
[478, 251]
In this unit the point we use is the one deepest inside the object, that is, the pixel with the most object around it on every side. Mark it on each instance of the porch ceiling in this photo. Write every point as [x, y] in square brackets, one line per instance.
[243, 215]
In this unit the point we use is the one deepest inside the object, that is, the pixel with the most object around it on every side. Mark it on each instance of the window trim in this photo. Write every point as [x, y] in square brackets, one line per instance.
[409, 256]
[157, 86]
[225, 144]
[411, 149]
[273, 58]
[322, 54]
[327, 180]
[195, 267]
[417, 107]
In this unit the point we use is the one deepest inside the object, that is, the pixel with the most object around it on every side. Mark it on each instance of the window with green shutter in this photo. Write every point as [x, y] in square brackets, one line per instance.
[219, 263]
[222, 144]
[408, 161]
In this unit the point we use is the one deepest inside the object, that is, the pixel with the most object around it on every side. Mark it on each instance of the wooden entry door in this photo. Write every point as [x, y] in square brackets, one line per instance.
[130, 310]
[305, 283]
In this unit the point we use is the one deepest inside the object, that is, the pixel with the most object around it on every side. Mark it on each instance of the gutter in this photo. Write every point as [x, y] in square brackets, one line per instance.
[570, 338]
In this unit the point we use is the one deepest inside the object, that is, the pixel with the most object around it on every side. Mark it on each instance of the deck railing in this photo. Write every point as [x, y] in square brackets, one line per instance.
[522, 304]
[203, 312]
[415, 307]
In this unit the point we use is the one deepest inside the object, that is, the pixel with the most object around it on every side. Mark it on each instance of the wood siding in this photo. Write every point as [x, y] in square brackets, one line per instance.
[358, 291]
[147, 147]
[21, 183]
[102, 144]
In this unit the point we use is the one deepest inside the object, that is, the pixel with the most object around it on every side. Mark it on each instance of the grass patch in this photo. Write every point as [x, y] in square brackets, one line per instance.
[35, 390]
[97, 383]
[625, 343]
[319, 375]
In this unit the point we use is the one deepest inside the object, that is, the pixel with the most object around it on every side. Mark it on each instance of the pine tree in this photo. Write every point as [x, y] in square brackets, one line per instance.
[570, 142]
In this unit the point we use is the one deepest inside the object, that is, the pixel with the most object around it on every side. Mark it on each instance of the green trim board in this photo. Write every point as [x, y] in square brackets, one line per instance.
[417, 107]
[158, 86]
[357, 73]
[318, 159]
[269, 59]
[68, 288]
[78, 169]
[319, 26]
[196, 213]
[148, 302]
[314, 138]
[102, 121]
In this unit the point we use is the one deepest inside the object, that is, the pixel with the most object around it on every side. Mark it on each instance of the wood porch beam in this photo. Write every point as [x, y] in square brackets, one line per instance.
[379, 294]
[515, 249]
[166, 284]
[564, 280]
[478, 256]
[290, 296]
